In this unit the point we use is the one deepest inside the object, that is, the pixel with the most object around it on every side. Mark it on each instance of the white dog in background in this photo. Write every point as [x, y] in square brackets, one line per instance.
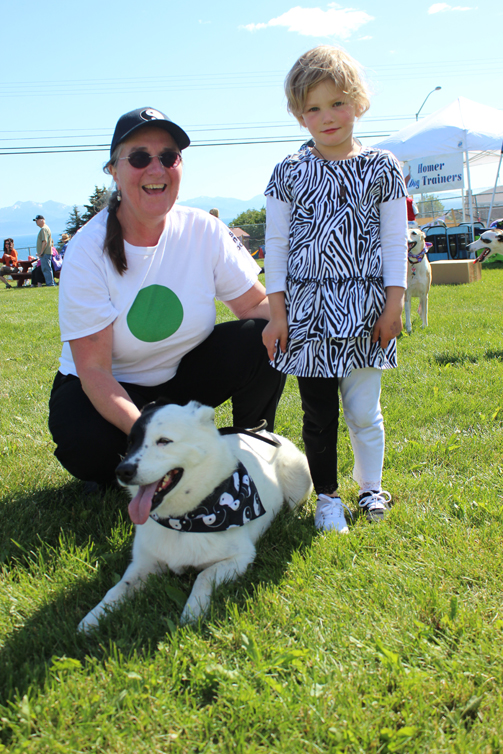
[188, 481]
[418, 276]
[490, 242]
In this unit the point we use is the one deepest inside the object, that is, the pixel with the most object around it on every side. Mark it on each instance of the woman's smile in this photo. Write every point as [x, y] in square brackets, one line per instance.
[154, 188]
[147, 193]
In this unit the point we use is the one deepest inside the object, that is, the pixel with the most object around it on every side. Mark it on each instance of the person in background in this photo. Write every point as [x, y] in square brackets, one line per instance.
[8, 260]
[335, 276]
[65, 239]
[215, 212]
[37, 276]
[44, 249]
[412, 211]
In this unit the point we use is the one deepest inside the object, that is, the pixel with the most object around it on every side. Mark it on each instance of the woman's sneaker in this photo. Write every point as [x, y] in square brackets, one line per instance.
[375, 504]
[329, 514]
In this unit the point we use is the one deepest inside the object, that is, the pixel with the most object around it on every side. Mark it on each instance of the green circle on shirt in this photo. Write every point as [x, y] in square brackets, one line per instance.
[156, 313]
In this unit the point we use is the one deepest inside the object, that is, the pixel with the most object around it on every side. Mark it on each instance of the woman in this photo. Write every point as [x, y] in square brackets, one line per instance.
[8, 260]
[137, 310]
[64, 240]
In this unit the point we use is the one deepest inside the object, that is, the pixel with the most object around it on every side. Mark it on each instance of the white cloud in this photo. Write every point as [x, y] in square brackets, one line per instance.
[254, 27]
[315, 22]
[443, 7]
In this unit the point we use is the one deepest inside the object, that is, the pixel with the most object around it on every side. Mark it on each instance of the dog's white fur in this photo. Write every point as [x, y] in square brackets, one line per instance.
[418, 278]
[186, 437]
[490, 242]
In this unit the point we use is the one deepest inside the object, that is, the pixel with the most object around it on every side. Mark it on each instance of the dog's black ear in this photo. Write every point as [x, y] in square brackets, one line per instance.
[149, 407]
[162, 401]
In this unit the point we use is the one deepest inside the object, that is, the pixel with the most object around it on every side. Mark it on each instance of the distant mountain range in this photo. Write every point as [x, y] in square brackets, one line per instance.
[17, 220]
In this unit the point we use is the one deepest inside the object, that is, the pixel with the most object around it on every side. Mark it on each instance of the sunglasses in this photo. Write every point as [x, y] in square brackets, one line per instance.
[140, 159]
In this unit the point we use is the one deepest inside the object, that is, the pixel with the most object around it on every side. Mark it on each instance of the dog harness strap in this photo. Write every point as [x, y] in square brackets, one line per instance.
[235, 502]
[251, 433]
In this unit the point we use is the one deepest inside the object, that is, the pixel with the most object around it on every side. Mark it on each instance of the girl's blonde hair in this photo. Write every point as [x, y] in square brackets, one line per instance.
[326, 63]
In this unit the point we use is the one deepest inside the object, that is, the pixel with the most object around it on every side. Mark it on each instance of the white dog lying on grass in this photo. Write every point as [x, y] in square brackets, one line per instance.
[200, 499]
[418, 276]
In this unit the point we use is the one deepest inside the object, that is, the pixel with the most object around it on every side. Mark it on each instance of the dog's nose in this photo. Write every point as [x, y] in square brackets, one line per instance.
[126, 471]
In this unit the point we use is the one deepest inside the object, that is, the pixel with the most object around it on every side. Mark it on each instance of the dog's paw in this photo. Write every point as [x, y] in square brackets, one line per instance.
[87, 624]
[190, 615]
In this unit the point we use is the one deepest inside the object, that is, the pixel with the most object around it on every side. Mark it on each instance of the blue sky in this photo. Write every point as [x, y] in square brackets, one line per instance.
[217, 69]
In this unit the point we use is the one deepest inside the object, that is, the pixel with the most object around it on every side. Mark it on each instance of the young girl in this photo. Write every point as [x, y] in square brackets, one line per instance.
[336, 276]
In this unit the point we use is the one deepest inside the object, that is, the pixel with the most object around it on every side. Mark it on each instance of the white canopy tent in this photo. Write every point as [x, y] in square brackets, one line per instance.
[463, 126]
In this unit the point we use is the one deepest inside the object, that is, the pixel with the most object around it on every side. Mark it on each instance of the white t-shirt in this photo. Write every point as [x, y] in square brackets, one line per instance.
[163, 305]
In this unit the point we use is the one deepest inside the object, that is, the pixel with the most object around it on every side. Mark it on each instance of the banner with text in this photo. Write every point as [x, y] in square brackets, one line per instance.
[427, 175]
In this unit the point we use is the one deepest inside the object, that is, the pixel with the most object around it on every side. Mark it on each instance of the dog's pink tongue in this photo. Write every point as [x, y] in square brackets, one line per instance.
[140, 505]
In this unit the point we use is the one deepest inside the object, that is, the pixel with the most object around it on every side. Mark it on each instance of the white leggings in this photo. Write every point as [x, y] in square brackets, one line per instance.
[361, 403]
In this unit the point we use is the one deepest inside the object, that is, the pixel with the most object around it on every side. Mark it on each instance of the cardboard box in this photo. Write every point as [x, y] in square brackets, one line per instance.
[455, 272]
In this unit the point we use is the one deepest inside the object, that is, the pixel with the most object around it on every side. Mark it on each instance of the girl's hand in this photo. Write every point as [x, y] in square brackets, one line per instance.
[386, 328]
[389, 325]
[276, 331]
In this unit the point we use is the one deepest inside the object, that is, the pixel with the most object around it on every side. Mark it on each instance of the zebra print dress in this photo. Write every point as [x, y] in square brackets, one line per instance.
[334, 290]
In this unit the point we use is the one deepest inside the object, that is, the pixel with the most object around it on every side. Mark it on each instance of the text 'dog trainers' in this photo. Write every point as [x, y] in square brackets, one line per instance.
[375, 504]
[329, 514]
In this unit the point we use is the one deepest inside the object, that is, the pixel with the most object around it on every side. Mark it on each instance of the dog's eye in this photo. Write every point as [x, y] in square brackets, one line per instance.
[163, 441]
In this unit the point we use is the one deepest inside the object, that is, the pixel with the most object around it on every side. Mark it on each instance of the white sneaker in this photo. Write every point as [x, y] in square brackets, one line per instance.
[330, 514]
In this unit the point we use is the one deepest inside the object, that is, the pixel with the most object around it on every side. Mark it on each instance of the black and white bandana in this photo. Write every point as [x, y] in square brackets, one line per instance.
[235, 502]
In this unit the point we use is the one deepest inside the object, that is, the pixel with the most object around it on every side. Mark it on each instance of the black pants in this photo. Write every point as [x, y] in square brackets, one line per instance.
[231, 363]
[320, 403]
[37, 276]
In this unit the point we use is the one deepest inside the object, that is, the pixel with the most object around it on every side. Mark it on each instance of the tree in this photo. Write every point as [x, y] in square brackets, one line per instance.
[250, 217]
[253, 222]
[75, 221]
[97, 200]
[430, 204]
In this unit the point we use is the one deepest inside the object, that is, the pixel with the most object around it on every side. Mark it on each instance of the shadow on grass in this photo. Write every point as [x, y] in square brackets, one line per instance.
[498, 355]
[458, 359]
[139, 624]
[37, 519]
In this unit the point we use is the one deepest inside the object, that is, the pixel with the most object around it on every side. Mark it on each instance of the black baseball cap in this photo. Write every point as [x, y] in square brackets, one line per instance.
[146, 116]
[38, 217]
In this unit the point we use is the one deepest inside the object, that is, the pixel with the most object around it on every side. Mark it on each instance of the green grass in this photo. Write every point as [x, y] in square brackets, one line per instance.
[385, 640]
